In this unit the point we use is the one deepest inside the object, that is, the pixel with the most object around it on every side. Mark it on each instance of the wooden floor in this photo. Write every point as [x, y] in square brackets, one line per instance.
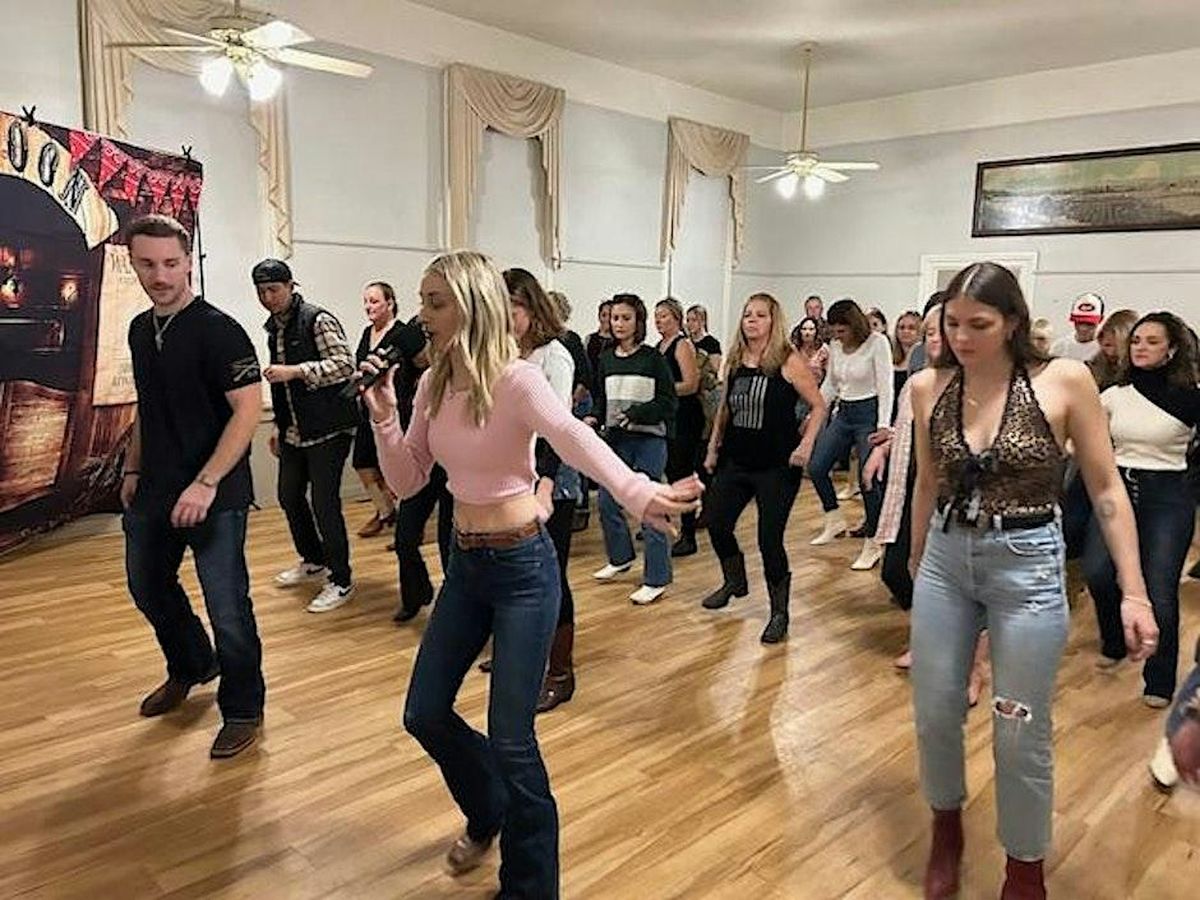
[692, 762]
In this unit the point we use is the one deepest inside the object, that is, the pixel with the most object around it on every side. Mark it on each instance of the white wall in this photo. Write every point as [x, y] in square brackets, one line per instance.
[865, 238]
[38, 65]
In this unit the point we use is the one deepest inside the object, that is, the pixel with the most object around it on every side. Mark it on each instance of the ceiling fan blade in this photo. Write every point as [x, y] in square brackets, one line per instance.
[165, 48]
[202, 38]
[781, 173]
[853, 166]
[276, 35]
[830, 175]
[321, 63]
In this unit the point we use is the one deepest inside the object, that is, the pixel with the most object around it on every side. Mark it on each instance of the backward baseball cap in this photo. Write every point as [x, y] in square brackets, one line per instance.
[1088, 309]
[272, 271]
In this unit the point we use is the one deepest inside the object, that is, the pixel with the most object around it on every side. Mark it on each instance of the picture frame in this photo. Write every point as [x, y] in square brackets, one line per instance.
[1135, 189]
[937, 269]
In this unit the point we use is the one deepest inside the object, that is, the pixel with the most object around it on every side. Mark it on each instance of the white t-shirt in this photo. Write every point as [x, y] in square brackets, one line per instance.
[1144, 436]
[559, 368]
[865, 373]
[1069, 348]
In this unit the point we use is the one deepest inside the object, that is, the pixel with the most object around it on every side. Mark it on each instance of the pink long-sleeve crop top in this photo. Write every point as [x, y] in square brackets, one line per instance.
[494, 462]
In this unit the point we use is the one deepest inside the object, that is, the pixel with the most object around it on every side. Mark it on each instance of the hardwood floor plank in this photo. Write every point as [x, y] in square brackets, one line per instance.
[693, 762]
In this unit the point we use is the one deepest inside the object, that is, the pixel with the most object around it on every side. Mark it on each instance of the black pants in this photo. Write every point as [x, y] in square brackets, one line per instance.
[682, 450]
[773, 491]
[558, 526]
[411, 515]
[321, 542]
[894, 570]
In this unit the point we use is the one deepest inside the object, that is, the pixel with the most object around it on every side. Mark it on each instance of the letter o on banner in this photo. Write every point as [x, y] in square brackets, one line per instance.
[48, 164]
[18, 145]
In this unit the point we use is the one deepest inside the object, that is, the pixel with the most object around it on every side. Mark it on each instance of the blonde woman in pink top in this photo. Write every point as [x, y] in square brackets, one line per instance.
[477, 412]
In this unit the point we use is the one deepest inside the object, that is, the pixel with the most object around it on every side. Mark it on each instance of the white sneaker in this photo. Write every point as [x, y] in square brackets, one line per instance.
[610, 571]
[331, 597]
[1162, 767]
[868, 557]
[835, 527]
[300, 573]
[646, 594]
[849, 492]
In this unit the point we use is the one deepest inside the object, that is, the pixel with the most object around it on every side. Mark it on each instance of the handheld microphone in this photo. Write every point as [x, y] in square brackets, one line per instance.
[409, 341]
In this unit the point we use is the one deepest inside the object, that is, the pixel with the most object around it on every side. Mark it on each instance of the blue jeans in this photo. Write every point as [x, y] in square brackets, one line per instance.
[498, 780]
[642, 453]
[1012, 584]
[1191, 687]
[851, 426]
[153, 552]
[1165, 514]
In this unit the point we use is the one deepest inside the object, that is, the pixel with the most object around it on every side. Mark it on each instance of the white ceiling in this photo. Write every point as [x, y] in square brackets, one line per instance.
[747, 49]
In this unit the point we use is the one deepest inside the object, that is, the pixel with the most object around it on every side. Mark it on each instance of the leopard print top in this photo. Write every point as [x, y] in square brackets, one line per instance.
[1020, 474]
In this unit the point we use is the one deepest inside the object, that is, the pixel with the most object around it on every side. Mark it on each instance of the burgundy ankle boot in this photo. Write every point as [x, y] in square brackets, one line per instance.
[1023, 881]
[945, 855]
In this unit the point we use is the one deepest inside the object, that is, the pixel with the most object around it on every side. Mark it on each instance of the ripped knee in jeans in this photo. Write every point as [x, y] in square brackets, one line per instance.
[1014, 710]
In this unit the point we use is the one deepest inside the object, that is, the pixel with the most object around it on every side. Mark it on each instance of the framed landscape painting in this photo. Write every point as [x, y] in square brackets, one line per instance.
[1140, 189]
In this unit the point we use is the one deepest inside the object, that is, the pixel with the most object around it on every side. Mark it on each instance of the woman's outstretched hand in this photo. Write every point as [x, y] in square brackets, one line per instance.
[381, 396]
[671, 502]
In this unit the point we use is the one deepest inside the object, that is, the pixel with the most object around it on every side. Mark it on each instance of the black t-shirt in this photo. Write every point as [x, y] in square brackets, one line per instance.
[182, 409]
[709, 345]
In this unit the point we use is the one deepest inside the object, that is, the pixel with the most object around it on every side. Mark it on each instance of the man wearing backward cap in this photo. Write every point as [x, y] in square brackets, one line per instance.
[1087, 312]
[311, 363]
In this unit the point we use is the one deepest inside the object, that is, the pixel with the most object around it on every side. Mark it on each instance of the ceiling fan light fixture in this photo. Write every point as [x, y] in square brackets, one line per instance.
[215, 75]
[262, 80]
[814, 187]
[786, 186]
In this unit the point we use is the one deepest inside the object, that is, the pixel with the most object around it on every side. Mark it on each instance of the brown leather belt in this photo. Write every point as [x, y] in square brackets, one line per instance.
[495, 540]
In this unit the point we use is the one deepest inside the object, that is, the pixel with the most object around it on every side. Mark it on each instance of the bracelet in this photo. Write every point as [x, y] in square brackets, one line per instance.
[129, 472]
[205, 480]
[1138, 601]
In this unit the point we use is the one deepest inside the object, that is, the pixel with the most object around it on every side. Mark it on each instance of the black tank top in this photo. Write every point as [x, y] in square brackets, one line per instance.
[689, 409]
[762, 430]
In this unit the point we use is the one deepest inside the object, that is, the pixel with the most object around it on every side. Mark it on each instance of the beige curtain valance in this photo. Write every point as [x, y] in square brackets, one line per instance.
[710, 151]
[477, 99]
[108, 84]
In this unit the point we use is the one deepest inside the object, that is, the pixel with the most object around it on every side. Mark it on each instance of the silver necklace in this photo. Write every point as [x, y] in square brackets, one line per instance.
[160, 330]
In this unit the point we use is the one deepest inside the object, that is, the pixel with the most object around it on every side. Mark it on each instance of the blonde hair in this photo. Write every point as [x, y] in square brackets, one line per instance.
[484, 344]
[1118, 326]
[778, 346]
[1042, 329]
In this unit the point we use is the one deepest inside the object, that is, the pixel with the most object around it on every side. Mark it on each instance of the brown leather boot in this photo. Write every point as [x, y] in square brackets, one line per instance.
[559, 684]
[171, 693]
[1023, 881]
[945, 855]
[233, 738]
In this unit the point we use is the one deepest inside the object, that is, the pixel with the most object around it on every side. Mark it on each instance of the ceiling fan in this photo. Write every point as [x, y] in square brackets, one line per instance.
[803, 166]
[249, 48]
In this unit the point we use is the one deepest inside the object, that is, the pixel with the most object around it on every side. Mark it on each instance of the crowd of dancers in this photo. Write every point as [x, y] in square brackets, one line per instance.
[985, 459]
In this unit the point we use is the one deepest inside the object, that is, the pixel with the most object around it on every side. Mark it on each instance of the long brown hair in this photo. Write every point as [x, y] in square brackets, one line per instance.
[995, 286]
[778, 346]
[1182, 367]
[847, 312]
[545, 323]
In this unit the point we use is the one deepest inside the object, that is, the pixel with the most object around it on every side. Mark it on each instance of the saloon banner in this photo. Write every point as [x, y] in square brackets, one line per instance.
[67, 295]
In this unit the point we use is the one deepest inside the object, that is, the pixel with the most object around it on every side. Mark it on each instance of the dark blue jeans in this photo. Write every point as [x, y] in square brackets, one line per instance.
[498, 780]
[851, 426]
[153, 552]
[1165, 514]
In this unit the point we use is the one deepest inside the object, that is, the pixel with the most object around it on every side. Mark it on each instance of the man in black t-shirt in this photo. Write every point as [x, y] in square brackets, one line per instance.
[187, 483]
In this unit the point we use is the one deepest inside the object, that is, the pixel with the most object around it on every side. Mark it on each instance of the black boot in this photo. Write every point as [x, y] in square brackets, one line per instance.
[734, 570]
[780, 592]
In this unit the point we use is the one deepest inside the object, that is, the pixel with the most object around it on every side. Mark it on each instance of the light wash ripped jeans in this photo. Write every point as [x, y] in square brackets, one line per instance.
[1012, 584]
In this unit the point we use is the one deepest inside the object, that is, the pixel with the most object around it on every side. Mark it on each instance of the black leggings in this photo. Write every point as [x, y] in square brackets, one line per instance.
[894, 570]
[773, 491]
[558, 526]
[682, 451]
[411, 515]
